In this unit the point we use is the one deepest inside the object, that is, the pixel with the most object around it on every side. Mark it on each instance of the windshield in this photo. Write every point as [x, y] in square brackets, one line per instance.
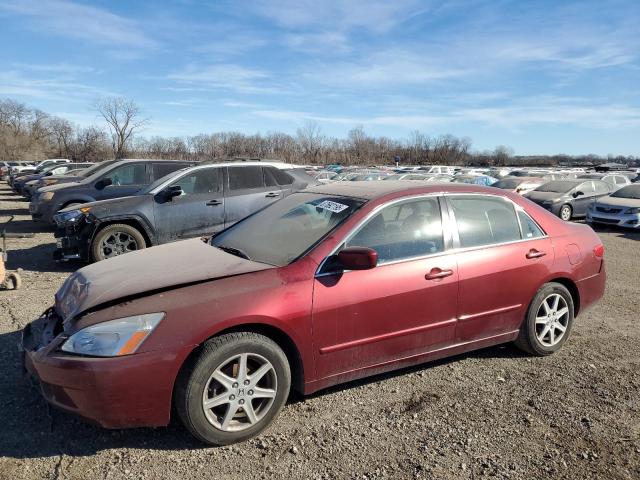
[87, 172]
[286, 229]
[161, 180]
[630, 191]
[557, 187]
[507, 183]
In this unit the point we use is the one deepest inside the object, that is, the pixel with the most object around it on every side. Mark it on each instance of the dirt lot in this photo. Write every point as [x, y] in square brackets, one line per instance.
[493, 413]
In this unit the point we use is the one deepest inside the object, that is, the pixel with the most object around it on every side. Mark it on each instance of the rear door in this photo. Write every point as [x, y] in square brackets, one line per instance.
[503, 258]
[198, 211]
[246, 192]
[126, 180]
[582, 202]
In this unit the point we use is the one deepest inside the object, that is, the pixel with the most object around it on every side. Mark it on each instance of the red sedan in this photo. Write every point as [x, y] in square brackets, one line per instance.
[331, 284]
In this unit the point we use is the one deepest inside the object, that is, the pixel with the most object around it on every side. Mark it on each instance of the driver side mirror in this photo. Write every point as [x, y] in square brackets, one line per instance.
[171, 192]
[577, 194]
[357, 258]
[102, 184]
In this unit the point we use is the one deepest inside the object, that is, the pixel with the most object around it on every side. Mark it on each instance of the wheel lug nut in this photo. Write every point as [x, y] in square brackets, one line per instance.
[235, 385]
[250, 392]
[241, 402]
[232, 397]
[246, 382]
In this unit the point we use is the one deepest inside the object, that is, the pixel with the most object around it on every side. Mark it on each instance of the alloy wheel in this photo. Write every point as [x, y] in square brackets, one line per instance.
[118, 243]
[565, 213]
[552, 319]
[240, 392]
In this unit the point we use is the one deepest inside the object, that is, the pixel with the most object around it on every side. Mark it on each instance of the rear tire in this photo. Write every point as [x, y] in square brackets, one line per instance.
[243, 404]
[115, 240]
[566, 212]
[546, 329]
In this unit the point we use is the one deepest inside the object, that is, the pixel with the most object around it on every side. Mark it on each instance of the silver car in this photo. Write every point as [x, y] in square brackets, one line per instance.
[621, 208]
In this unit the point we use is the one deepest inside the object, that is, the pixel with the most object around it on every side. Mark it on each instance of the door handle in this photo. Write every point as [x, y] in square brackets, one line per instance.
[437, 273]
[213, 203]
[533, 253]
[272, 194]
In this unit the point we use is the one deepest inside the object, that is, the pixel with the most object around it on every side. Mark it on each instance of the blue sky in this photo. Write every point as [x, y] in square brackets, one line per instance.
[539, 76]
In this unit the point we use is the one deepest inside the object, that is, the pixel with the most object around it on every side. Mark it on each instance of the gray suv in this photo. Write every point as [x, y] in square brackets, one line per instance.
[119, 179]
[192, 202]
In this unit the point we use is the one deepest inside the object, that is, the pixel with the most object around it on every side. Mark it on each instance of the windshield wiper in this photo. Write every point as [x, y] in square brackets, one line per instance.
[234, 251]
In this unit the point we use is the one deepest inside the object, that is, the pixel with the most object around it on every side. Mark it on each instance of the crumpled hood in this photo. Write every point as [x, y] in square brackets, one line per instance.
[150, 269]
[619, 202]
[108, 203]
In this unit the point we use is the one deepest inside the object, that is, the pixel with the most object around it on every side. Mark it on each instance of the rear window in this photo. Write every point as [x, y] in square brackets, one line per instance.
[243, 178]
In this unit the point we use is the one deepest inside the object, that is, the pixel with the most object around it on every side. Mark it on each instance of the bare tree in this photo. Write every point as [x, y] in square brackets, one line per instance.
[123, 118]
[311, 141]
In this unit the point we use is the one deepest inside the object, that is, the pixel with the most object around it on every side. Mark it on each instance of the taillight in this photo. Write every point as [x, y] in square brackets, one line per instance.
[598, 251]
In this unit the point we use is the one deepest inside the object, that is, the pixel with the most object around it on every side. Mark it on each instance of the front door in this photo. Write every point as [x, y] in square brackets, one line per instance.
[582, 202]
[198, 211]
[403, 307]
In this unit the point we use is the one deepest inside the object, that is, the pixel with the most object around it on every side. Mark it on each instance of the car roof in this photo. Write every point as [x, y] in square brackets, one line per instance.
[374, 190]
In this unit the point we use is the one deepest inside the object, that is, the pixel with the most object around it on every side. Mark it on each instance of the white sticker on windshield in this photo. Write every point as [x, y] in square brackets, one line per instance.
[332, 206]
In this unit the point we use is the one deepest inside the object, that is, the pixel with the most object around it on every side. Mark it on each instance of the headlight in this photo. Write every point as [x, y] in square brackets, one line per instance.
[632, 211]
[114, 338]
[46, 196]
[71, 216]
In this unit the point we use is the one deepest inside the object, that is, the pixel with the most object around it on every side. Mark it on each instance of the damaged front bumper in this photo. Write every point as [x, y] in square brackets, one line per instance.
[73, 239]
[114, 392]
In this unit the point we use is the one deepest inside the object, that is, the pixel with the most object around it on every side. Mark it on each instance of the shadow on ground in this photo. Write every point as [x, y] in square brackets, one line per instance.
[618, 231]
[38, 258]
[32, 429]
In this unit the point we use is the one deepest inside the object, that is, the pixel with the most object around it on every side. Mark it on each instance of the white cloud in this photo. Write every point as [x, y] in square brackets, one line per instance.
[373, 15]
[74, 20]
[225, 77]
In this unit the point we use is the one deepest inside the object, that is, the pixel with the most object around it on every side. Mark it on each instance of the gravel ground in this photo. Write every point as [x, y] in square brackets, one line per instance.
[494, 413]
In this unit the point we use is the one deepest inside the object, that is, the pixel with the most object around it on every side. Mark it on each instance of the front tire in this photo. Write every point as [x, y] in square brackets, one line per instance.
[233, 388]
[116, 239]
[566, 212]
[548, 322]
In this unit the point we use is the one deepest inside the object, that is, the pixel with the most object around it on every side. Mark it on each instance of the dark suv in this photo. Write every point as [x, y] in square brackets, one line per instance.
[192, 202]
[119, 179]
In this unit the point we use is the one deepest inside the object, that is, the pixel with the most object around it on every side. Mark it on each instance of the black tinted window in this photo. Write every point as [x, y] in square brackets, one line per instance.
[200, 182]
[269, 177]
[484, 220]
[162, 169]
[129, 174]
[241, 178]
[405, 230]
[282, 177]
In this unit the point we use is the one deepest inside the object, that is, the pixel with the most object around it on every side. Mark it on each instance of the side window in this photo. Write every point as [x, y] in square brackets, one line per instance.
[282, 177]
[131, 174]
[242, 178]
[601, 187]
[587, 188]
[269, 177]
[405, 230]
[200, 182]
[620, 180]
[484, 220]
[529, 228]
[165, 168]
